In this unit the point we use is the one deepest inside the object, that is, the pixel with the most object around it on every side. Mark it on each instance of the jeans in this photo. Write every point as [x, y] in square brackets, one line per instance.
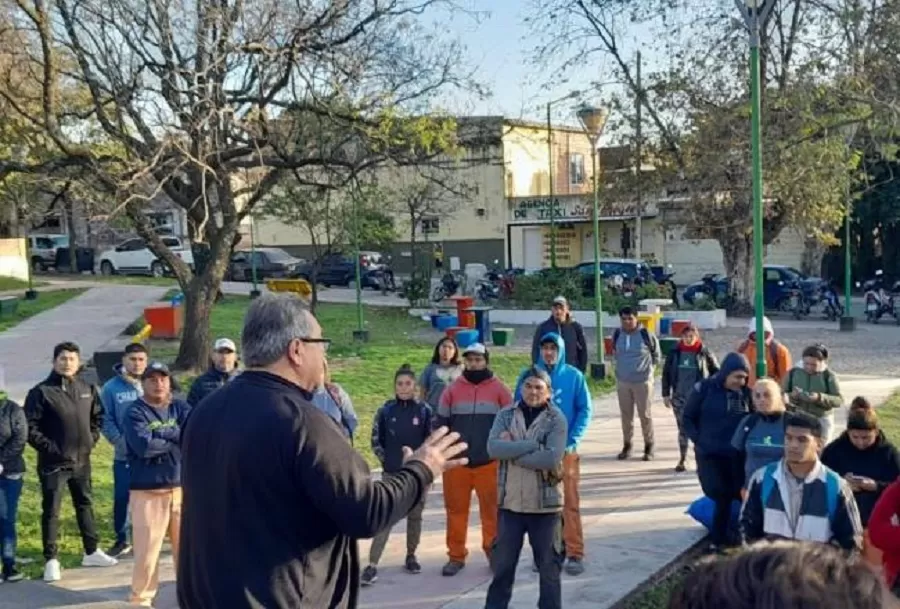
[121, 480]
[545, 536]
[53, 485]
[10, 491]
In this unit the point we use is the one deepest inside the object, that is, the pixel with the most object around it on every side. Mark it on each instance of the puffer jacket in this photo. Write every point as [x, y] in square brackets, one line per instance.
[13, 436]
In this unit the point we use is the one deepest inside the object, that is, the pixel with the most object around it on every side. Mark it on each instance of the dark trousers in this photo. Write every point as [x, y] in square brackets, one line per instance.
[721, 479]
[545, 536]
[121, 492]
[10, 491]
[53, 484]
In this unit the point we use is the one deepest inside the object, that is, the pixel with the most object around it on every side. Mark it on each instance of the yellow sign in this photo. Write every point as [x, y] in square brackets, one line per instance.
[568, 246]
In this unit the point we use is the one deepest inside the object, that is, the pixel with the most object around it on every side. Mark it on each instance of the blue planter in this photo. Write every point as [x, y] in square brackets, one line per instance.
[464, 338]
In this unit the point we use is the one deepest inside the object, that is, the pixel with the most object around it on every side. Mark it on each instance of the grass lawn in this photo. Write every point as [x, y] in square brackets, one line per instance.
[44, 302]
[11, 283]
[122, 279]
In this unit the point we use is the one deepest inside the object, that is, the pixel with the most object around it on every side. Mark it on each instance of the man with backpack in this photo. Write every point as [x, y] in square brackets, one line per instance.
[778, 357]
[798, 497]
[636, 355]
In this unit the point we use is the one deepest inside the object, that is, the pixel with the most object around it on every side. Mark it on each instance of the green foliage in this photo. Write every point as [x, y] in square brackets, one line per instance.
[538, 291]
[417, 290]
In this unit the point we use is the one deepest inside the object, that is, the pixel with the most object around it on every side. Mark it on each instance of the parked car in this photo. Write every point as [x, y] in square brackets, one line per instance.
[133, 257]
[271, 262]
[43, 250]
[340, 269]
[635, 271]
[778, 280]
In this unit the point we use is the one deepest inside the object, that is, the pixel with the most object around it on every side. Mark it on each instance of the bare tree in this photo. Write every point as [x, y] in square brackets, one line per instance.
[191, 97]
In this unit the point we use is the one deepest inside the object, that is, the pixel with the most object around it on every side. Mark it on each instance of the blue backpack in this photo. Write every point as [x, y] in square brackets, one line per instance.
[832, 488]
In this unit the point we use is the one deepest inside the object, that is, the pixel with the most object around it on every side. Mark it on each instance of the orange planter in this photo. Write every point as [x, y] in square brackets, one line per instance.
[467, 319]
[608, 345]
[165, 321]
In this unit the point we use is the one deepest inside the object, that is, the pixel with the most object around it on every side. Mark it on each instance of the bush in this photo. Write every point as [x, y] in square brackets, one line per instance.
[417, 290]
[538, 291]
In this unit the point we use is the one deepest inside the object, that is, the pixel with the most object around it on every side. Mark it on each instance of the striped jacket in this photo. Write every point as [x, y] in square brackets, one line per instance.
[828, 511]
[469, 409]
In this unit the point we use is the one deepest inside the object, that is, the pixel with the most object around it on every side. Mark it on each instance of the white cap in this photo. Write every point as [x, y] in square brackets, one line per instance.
[767, 326]
[223, 344]
[475, 348]
[561, 300]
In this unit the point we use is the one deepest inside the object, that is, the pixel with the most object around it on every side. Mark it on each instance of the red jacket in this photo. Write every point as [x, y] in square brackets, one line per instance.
[884, 530]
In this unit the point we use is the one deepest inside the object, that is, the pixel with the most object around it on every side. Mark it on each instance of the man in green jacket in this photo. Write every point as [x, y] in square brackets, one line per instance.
[814, 388]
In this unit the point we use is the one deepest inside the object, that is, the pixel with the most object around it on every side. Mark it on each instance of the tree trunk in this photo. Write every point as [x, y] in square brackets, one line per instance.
[813, 253]
[69, 207]
[737, 255]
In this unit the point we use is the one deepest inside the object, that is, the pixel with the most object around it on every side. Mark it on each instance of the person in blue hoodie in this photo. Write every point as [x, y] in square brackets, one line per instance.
[153, 438]
[713, 412]
[117, 395]
[572, 396]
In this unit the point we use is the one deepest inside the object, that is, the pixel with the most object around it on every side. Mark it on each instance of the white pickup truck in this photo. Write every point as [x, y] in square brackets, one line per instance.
[133, 257]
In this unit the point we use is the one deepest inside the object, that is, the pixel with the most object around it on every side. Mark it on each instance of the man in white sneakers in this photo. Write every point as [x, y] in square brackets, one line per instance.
[64, 418]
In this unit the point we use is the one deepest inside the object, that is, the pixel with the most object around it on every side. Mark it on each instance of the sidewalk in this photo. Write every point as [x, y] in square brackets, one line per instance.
[89, 320]
[633, 516]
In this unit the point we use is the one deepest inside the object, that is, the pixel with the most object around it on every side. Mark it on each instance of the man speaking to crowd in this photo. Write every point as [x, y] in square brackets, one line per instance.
[274, 495]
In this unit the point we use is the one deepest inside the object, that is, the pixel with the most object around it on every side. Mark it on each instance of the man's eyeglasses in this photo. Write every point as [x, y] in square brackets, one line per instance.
[325, 342]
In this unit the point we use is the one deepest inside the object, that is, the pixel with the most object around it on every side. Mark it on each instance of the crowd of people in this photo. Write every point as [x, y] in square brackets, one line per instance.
[266, 510]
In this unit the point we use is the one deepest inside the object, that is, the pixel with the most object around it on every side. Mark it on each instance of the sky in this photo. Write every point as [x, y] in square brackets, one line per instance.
[497, 45]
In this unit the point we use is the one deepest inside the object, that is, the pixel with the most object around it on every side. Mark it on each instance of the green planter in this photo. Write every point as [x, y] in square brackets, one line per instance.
[8, 305]
[502, 337]
[666, 344]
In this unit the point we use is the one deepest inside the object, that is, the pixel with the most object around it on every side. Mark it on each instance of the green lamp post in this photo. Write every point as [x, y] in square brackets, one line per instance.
[755, 14]
[254, 291]
[593, 120]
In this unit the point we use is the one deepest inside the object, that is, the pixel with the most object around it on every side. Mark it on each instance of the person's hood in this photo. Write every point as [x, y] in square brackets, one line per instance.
[880, 442]
[767, 327]
[119, 369]
[733, 362]
[560, 344]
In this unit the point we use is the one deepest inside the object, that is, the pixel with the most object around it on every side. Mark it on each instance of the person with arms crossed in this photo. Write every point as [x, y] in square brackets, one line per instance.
[275, 498]
[64, 418]
[152, 434]
[571, 395]
[117, 396]
[529, 441]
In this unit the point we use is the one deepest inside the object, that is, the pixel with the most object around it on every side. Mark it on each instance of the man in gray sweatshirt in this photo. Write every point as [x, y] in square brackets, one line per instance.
[636, 355]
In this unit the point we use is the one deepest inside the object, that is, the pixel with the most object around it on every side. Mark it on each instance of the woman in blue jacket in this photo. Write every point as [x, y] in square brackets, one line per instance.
[712, 414]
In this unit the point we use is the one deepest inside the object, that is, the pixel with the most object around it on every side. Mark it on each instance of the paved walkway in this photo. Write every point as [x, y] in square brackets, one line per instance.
[633, 515]
[90, 320]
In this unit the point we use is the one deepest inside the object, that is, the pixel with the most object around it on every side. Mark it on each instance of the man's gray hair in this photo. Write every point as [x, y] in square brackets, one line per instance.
[271, 323]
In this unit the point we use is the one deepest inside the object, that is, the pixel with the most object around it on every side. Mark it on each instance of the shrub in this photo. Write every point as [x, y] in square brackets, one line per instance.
[417, 290]
[537, 291]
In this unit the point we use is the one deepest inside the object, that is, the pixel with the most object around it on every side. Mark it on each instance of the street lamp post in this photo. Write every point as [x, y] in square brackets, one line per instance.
[756, 13]
[848, 322]
[550, 167]
[254, 292]
[593, 120]
[360, 334]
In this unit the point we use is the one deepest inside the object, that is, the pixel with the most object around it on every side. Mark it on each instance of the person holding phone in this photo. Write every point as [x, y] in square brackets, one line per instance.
[867, 460]
[814, 388]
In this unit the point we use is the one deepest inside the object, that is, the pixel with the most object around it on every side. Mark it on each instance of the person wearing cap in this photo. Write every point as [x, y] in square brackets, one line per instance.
[778, 356]
[117, 396]
[222, 370]
[571, 395]
[686, 365]
[153, 439]
[529, 441]
[468, 406]
[64, 419]
[562, 323]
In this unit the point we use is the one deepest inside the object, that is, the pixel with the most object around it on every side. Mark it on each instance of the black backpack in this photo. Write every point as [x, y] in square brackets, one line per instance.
[645, 336]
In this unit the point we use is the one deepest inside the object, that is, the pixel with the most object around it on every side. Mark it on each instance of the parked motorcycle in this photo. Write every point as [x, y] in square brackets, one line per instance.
[449, 287]
[798, 303]
[879, 302]
[832, 307]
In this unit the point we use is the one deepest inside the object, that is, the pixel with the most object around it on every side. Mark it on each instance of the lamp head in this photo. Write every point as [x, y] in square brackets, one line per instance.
[592, 120]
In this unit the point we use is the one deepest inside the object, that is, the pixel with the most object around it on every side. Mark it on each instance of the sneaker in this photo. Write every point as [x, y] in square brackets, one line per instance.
[648, 452]
[52, 571]
[680, 467]
[369, 576]
[98, 559]
[120, 549]
[575, 566]
[626, 452]
[452, 568]
[12, 575]
[412, 565]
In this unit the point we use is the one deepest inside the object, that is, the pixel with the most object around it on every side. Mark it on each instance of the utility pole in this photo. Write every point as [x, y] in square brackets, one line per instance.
[639, 99]
[550, 168]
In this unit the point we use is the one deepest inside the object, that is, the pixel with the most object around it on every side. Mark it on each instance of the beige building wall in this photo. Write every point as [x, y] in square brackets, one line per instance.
[527, 161]
[14, 258]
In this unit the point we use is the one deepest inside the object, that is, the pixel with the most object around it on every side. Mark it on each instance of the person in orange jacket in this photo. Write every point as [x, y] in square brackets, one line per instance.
[778, 357]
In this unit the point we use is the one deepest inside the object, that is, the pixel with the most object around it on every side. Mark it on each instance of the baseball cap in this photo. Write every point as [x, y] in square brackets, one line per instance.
[156, 368]
[561, 300]
[475, 349]
[224, 344]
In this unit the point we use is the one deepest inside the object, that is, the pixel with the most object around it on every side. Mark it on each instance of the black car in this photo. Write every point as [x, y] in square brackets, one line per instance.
[340, 269]
[636, 271]
[271, 263]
